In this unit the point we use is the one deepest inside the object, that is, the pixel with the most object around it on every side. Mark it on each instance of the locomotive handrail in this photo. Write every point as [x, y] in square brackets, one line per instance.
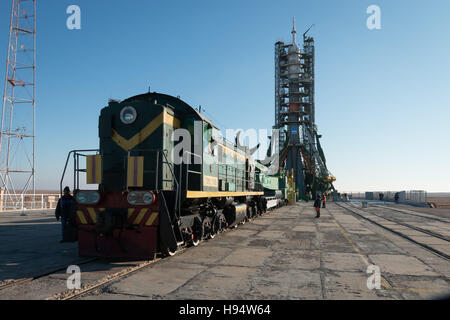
[187, 167]
[235, 175]
[178, 192]
[75, 152]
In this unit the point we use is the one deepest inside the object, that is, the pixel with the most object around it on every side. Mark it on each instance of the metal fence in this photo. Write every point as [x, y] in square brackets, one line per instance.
[412, 196]
[28, 202]
[416, 196]
[353, 194]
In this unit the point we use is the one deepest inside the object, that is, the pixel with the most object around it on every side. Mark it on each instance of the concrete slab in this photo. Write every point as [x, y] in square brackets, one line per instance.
[207, 254]
[282, 285]
[359, 231]
[294, 244]
[445, 248]
[105, 295]
[161, 280]
[220, 282]
[241, 232]
[305, 228]
[401, 265]
[273, 234]
[343, 261]
[348, 285]
[326, 224]
[431, 240]
[246, 257]
[294, 259]
[433, 288]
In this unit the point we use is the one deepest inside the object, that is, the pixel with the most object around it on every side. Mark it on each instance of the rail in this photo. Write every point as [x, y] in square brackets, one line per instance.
[76, 168]
[187, 162]
[222, 172]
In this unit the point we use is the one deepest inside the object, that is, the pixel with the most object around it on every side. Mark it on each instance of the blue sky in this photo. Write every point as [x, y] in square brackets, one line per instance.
[382, 96]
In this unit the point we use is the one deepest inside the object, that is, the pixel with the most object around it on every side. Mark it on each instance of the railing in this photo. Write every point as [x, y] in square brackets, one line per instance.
[83, 153]
[187, 161]
[222, 173]
[25, 202]
[76, 167]
[412, 196]
[178, 184]
[416, 196]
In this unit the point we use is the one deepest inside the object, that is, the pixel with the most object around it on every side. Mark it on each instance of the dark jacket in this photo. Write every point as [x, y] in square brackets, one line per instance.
[317, 203]
[65, 206]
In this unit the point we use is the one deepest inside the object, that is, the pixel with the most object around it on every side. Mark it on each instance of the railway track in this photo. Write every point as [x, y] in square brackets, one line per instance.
[413, 214]
[428, 232]
[423, 245]
[73, 294]
[13, 283]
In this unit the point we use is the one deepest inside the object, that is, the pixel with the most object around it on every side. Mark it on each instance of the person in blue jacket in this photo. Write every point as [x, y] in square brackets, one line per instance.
[64, 210]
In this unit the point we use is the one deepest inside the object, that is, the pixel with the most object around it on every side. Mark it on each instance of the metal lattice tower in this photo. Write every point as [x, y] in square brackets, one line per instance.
[17, 135]
[295, 113]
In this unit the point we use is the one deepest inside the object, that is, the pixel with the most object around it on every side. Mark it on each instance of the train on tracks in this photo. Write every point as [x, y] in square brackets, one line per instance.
[166, 179]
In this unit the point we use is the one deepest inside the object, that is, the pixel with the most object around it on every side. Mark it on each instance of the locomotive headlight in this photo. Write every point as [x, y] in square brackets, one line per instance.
[147, 197]
[132, 198]
[81, 197]
[88, 197]
[128, 115]
[140, 198]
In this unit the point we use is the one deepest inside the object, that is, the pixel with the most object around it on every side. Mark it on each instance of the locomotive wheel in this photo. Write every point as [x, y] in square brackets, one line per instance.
[197, 232]
[214, 231]
[195, 242]
[220, 224]
[169, 252]
[206, 228]
[252, 212]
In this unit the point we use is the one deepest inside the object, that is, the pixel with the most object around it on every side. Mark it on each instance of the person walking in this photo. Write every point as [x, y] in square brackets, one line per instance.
[64, 210]
[324, 200]
[317, 206]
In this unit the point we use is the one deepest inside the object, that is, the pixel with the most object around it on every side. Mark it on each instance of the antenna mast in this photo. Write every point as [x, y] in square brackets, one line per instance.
[17, 132]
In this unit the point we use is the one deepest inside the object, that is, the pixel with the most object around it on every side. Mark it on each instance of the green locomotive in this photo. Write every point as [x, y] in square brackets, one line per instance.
[165, 179]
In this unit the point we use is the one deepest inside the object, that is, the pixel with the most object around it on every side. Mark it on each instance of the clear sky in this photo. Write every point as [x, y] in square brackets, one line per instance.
[382, 96]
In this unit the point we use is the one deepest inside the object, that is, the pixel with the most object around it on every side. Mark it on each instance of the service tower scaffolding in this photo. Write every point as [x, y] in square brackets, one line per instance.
[295, 116]
[17, 133]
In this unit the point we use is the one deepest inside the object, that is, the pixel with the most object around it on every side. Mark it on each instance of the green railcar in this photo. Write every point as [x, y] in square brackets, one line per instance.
[165, 177]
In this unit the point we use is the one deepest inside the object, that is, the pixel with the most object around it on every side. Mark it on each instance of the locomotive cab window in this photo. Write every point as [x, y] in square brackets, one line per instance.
[208, 138]
[208, 132]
